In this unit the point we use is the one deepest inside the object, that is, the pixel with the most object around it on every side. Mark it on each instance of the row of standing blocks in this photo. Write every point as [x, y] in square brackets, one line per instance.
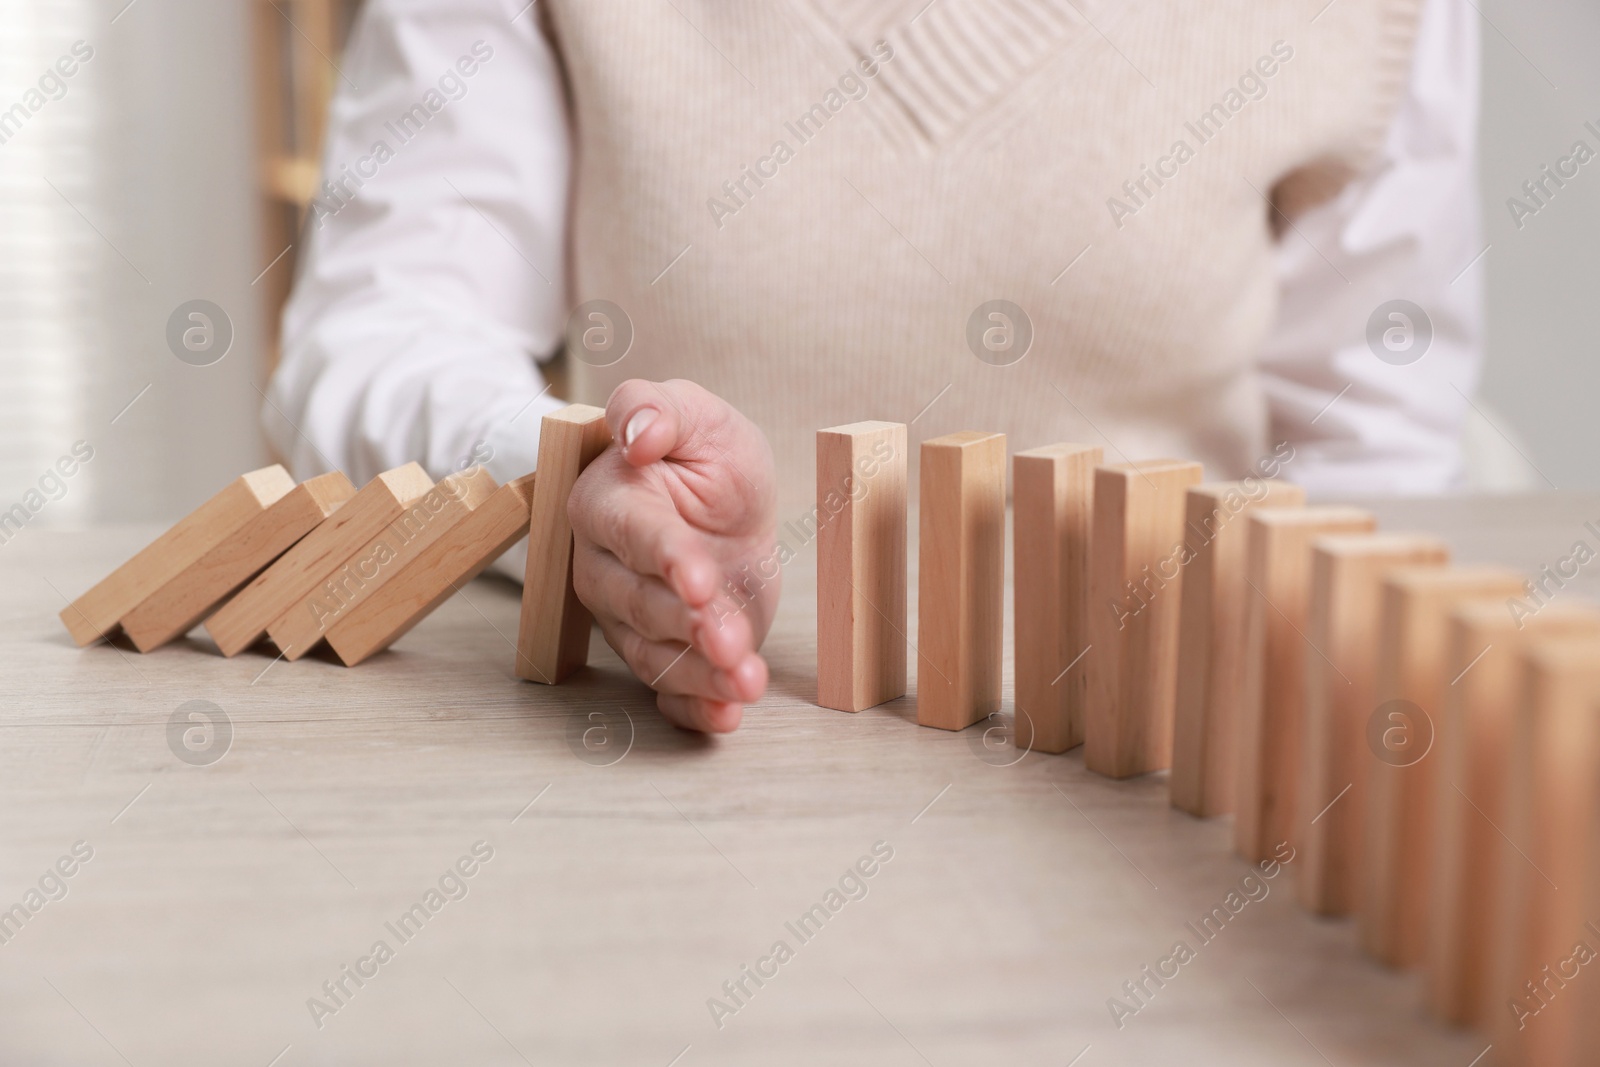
[1429, 749]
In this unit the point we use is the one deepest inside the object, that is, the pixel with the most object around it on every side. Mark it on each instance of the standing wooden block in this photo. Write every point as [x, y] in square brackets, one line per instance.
[96, 613]
[1211, 640]
[1346, 605]
[439, 570]
[243, 620]
[1052, 510]
[960, 578]
[553, 637]
[1272, 715]
[1402, 784]
[1135, 589]
[175, 608]
[861, 565]
[373, 565]
[1475, 731]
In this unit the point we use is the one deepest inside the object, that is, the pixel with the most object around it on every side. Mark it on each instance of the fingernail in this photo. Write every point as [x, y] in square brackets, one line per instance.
[637, 425]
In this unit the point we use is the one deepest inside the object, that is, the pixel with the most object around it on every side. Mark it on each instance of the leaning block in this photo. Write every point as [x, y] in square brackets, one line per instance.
[243, 620]
[1135, 583]
[861, 565]
[1211, 640]
[1052, 494]
[439, 570]
[960, 578]
[553, 636]
[1402, 789]
[1346, 601]
[175, 608]
[1272, 714]
[96, 613]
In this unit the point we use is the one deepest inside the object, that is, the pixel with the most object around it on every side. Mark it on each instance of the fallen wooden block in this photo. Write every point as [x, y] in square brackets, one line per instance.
[1346, 607]
[1402, 783]
[553, 635]
[1052, 509]
[439, 570]
[960, 578]
[244, 619]
[861, 565]
[96, 613]
[1474, 741]
[1272, 714]
[1211, 640]
[179, 605]
[1135, 587]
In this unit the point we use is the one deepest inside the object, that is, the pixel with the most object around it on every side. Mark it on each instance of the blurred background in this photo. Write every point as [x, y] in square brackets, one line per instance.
[174, 163]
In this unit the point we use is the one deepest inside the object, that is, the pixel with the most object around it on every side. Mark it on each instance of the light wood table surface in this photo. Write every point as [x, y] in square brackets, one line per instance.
[619, 898]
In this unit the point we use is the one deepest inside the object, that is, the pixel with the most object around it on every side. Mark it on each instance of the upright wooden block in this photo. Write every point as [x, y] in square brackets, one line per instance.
[1135, 589]
[553, 637]
[1272, 714]
[439, 570]
[1346, 605]
[861, 565]
[1211, 640]
[175, 608]
[1401, 792]
[1052, 510]
[1474, 740]
[960, 578]
[244, 619]
[96, 613]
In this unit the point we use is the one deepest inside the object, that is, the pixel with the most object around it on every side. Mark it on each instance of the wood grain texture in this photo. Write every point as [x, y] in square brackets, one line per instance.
[862, 567]
[1135, 591]
[961, 578]
[95, 614]
[1211, 640]
[553, 634]
[1052, 492]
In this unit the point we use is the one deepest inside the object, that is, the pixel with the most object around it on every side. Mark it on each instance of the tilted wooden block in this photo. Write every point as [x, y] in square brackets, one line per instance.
[1135, 591]
[1402, 784]
[96, 613]
[553, 636]
[1346, 607]
[439, 570]
[244, 619]
[1272, 714]
[1211, 640]
[1473, 743]
[861, 565]
[179, 605]
[960, 578]
[373, 565]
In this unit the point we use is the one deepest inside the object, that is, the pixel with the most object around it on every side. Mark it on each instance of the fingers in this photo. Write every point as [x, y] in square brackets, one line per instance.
[653, 420]
[697, 713]
[646, 605]
[646, 533]
[672, 667]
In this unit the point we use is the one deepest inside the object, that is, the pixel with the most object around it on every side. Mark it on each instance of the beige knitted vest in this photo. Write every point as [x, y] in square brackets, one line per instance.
[808, 206]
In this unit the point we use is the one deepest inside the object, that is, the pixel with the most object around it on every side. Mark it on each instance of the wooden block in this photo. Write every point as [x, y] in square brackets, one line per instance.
[960, 578]
[861, 565]
[374, 564]
[1052, 516]
[1346, 605]
[1211, 640]
[1272, 713]
[176, 608]
[1135, 589]
[244, 619]
[553, 637]
[1474, 738]
[1398, 841]
[438, 571]
[96, 613]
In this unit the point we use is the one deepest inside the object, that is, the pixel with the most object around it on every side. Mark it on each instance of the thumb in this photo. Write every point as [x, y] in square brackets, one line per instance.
[654, 420]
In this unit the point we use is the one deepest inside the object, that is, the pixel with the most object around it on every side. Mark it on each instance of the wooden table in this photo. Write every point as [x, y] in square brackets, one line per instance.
[1019, 898]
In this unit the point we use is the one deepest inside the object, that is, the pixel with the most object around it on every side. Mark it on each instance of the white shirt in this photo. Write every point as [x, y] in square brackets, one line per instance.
[427, 295]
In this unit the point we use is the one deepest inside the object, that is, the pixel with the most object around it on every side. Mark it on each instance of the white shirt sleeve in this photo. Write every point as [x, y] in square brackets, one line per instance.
[1410, 230]
[431, 271]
